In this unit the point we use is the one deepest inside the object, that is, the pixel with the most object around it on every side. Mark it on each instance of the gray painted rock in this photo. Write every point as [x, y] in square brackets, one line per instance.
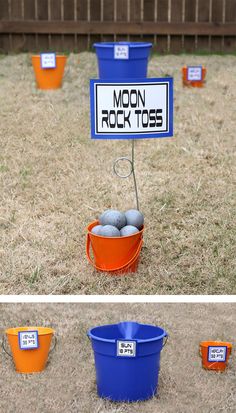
[113, 217]
[109, 231]
[95, 230]
[128, 230]
[135, 218]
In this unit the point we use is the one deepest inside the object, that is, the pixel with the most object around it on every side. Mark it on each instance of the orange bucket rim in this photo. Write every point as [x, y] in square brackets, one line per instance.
[96, 222]
[42, 331]
[216, 343]
[57, 55]
[186, 66]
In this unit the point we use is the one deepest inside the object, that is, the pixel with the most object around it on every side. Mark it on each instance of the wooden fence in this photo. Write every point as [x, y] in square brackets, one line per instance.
[74, 25]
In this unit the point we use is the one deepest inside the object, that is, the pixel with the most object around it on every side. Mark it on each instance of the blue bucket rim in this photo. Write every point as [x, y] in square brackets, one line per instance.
[139, 340]
[131, 44]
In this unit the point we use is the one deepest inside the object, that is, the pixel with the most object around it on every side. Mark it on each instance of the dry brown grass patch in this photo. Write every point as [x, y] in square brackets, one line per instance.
[68, 384]
[55, 180]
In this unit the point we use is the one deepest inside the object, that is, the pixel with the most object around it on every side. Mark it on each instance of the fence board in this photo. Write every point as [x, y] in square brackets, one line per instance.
[42, 7]
[69, 14]
[217, 17]
[108, 15]
[72, 27]
[230, 16]
[65, 24]
[82, 10]
[4, 38]
[29, 14]
[42, 14]
[162, 16]
[203, 43]
[149, 16]
[135, 10]
[82, 14]
[108, 7]
[122, 16]
[95, 10]
[95, 15]
[176, 16]
[135, 16]
[217, 11]
[56, 40]
[149, 10]
[16, 10]
[69, 9]
[190, 16]
[203, 10]
[122, 10]
[17, 14]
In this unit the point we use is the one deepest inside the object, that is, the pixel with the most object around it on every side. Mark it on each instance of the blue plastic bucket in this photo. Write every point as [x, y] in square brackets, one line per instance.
[127, 360]
[119, 60]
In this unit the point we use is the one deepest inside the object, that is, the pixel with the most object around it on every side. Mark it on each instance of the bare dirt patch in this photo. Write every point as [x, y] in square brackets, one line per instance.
[55, 180]
[68, 384]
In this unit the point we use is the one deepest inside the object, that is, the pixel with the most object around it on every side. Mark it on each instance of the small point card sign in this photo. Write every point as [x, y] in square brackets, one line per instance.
[126, 348]
[131, 109]
[28, 340]
[121, 52]
[217, 354]
[194, 73]
[48, 60]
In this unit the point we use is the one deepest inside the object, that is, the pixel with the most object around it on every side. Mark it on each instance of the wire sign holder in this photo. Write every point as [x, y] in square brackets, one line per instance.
[131, 109]
[131, 172]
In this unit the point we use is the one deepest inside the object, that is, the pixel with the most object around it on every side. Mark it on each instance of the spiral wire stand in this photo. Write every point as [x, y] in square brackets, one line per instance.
[131, 172]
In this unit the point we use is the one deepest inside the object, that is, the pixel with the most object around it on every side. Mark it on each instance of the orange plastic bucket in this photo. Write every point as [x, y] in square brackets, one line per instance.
[49, 78]
[30, 360]
[191, 83]
[114, 254]
[215, 354]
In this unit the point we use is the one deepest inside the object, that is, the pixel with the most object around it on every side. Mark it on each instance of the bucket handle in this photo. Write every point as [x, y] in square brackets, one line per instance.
[130, 262]
[166, 339]
[54, 344]
[10, 355]
[4, 347]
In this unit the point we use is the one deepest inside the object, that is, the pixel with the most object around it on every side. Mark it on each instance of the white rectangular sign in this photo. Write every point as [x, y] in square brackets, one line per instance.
[48, 60]
[121, 52]
[194, 73]
[28, 340]
[126, 348]
[121, 110]
[217, 353]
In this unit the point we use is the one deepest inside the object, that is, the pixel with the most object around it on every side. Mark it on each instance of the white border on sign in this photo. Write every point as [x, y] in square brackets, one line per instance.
[194, 67]
[22, 347]
[53, 65]
[135, 134]
[118, 354]
[121, 52]
[117, 299]
[210, 359]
